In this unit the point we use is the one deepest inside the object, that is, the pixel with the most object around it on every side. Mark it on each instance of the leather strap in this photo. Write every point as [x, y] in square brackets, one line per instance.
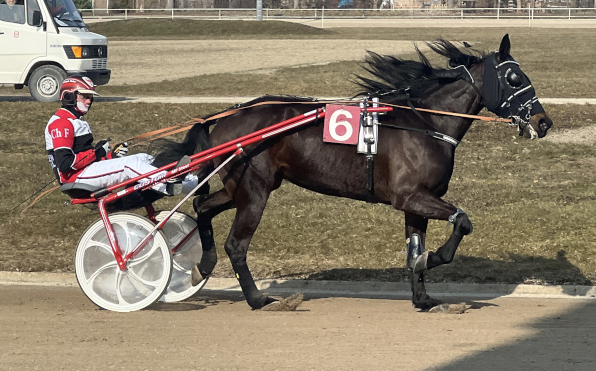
[187, 125]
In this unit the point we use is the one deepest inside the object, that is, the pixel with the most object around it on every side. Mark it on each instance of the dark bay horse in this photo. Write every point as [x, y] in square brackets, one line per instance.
[412, 170]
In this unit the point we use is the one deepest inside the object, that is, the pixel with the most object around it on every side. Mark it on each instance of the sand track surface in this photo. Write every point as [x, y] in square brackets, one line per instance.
[139, 62]
[57, 328]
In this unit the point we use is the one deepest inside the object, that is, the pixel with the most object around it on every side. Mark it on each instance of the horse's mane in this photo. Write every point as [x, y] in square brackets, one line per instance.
[394, 75]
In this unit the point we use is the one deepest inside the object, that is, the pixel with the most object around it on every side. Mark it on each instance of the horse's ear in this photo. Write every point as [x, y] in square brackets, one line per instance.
[505, 47]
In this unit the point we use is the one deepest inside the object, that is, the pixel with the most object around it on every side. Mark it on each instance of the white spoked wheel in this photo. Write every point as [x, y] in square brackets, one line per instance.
[179, 227]
[147, 274]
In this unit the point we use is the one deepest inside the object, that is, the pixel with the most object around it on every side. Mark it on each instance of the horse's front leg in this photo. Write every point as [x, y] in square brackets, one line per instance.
[415, 241]
[419, 207]
[462, 226]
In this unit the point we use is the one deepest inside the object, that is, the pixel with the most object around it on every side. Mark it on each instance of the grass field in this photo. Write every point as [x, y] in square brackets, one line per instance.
[531, 202]
[558, 61]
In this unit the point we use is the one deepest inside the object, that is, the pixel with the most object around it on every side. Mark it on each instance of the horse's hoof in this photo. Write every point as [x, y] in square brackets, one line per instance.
[426, 302]
[195, 277]
[285, 305]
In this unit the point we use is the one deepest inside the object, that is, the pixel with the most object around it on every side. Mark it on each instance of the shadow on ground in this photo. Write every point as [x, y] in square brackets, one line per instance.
[561, 342]
[516, 269]
[504, 276]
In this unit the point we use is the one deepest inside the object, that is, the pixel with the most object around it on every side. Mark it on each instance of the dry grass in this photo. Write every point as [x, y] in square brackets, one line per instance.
[557, 61]
[204, 29]
[531, 203]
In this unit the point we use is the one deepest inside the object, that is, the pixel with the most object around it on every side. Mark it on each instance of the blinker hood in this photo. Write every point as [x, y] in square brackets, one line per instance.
[507, 91]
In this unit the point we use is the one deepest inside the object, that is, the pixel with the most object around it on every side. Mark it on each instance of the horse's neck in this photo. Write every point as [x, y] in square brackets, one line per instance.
[457, 97]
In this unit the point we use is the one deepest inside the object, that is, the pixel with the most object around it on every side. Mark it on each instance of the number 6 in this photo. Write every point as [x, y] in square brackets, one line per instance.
[334, 124]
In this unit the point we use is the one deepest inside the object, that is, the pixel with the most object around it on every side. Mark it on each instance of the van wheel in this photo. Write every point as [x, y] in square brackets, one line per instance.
[44, 84]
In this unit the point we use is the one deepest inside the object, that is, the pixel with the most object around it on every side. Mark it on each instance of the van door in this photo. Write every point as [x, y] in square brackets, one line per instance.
[20, 40]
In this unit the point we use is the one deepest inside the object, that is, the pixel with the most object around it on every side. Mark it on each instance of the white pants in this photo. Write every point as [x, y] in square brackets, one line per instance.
[109, 172]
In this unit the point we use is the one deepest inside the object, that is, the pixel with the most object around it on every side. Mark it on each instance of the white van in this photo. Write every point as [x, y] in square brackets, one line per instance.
[43, 41]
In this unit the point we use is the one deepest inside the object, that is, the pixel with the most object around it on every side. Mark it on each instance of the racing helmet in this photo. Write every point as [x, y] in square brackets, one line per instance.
[73, 85]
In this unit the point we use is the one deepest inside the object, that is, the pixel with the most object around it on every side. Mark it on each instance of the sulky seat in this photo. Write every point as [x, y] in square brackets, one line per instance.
[78, 190]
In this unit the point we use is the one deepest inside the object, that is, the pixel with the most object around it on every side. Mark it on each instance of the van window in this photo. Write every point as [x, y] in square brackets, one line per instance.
[65, 13]
[12, 11]
[32, 6]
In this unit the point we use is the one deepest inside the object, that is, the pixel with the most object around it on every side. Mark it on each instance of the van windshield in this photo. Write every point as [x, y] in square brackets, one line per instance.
[65, 13]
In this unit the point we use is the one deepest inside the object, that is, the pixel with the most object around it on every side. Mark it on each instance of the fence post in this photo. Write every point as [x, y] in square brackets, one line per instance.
[462, 14]
[323, 17]
[498, 9]
[172, 13]
[569, 13]
[259, 10]
[220, 14]
[125, 13]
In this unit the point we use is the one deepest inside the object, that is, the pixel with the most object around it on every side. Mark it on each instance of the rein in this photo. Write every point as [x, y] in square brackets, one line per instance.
[160, 133]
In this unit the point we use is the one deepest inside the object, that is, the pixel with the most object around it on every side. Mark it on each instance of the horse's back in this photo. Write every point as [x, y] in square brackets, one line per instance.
[303, 158]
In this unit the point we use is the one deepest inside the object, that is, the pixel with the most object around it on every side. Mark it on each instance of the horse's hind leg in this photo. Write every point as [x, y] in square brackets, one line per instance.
[207, 207]
[250, 204]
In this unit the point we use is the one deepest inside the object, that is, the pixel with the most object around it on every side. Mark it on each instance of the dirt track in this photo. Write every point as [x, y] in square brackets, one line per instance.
[51, 328]
[131, 64]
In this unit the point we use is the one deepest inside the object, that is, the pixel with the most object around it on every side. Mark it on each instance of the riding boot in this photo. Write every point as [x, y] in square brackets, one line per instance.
[174, 185]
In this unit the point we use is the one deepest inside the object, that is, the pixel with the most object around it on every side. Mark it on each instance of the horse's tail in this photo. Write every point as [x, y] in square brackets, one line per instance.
[197, 140]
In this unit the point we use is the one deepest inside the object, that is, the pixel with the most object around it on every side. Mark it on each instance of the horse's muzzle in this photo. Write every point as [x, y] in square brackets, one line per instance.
[540, 122]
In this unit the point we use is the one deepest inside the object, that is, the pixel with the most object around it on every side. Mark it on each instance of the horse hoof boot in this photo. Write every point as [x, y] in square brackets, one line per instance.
[415, 249]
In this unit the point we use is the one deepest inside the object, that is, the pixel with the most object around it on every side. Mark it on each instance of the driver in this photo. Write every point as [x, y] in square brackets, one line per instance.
[12, 11]
[74, 159]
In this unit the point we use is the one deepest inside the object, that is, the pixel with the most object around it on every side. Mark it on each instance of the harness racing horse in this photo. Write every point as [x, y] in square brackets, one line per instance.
[412, 168]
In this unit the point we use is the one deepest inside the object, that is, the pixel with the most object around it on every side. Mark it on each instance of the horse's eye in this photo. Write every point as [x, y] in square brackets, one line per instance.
[514, 79]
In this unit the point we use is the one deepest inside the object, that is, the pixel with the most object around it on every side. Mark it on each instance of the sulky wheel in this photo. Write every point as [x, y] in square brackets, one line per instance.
[187, 255]
[147, 274]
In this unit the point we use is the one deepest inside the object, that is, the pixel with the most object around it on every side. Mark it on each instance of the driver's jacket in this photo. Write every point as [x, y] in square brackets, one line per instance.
[69, 145]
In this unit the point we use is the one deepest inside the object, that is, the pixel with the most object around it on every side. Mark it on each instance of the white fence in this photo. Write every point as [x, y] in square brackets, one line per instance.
[430, 13]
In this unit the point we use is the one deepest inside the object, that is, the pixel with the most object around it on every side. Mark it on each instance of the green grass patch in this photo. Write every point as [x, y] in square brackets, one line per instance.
[531, 203]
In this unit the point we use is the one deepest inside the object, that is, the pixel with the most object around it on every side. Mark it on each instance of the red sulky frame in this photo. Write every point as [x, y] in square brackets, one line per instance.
[105, 196]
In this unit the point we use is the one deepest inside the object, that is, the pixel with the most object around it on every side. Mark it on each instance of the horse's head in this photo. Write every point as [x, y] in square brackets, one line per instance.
[508, 92]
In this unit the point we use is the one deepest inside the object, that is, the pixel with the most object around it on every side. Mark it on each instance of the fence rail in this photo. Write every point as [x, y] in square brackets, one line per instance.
[414, 13]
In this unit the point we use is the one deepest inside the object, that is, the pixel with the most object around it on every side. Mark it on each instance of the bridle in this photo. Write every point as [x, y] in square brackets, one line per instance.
[504, 86]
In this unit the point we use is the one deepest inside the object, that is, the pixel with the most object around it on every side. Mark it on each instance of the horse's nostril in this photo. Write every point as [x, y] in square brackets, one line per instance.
[544, 124]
